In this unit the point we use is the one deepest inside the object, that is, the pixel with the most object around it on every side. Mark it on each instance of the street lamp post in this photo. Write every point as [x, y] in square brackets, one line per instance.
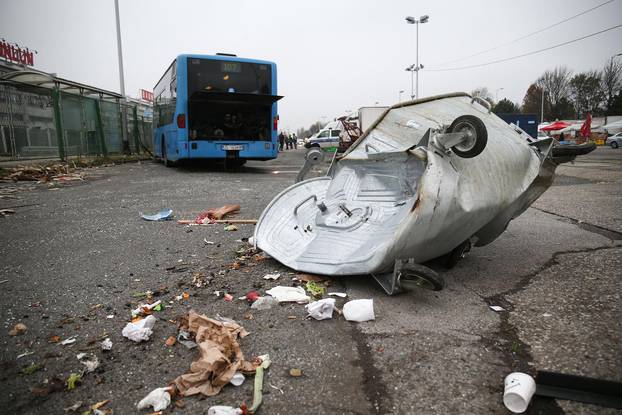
[121, 78]
[417, 67]
[497, 94]
[399, 96]
[542, 108]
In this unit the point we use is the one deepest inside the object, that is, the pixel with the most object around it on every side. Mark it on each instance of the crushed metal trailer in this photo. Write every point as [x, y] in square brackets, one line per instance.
[429, 178]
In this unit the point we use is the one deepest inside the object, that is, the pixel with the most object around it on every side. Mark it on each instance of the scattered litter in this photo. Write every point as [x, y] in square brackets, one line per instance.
[55, 172]
[106, 344]
[200, 280]
[110, 316]
[258, 386]
[292, 317]
[295, 372]
[185, 295]
[315, 289]
[145, 309]
[341, 295]
[274, 276]
[73, 380]
[206, 242]
[24, 355]
[289, 294]
[29, 370]
[69, 340]
[3, 281]
[276, 387]
[264, 303]
[94, 409]
[216, 214]
[224, 410]
[496, 308]
[310, 278]
[237, 379]
[252, 296]
[228, 297]
[322, 309]
[359, 310]
[159, 398]
[185, 338]
[140, 330]
[73, 407]
[170, 341]
[55, 384]
[165, 214]
[4, 212]
[547, 315]
[91, 362]
[220, 356]
[251, 240]
[518, 389]
[231, 227]
[18, 329]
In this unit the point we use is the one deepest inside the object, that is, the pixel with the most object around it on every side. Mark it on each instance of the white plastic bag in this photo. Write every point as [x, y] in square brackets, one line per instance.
[139, 331]
[223, 410]
[289, 294]
[359, 310]
[321, 309]
[159, 398]
[264, 303]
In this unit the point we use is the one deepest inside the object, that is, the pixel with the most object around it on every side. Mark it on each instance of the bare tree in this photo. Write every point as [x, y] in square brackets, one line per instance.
[556, 84]
[483, 92]
[611, 82]
[586, 93]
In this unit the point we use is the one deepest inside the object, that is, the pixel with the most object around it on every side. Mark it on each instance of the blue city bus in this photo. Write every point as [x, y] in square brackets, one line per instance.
[216, 107]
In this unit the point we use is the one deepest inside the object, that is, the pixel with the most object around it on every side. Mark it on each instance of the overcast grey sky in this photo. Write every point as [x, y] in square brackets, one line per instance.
[332, 56]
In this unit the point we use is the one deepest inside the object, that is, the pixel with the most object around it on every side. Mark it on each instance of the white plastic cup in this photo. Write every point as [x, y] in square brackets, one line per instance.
[519, 388]
[359, 310]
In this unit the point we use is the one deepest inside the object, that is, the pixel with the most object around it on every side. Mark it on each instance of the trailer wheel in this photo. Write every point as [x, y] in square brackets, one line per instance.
[476, 132]
[419, 276]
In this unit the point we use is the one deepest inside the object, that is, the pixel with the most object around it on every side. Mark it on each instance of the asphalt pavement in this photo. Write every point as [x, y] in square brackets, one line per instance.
[75, 258]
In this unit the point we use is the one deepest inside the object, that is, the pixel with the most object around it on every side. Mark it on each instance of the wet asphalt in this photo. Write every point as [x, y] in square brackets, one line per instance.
[75, 259]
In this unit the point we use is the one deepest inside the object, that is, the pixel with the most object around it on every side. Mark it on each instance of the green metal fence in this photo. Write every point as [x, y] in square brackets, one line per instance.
[42, 123]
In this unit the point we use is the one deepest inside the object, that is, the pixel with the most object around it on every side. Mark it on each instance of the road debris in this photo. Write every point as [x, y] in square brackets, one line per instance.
[496, 308]
[237, 379]
[276, 387]
[19, 356]
[55, 172]
[274, 276]
[73, 380]
[170, 341]
[321, 309]
[316, 290]
[230, 227]
[220, 356]
[140, 330]
[95, 409]
[90, 362]
[69, 340]
[18, 329]
[258, 386]
[252, 296]
[29, 370]
[184, 337]
[164, 214]
[56, 384]
[295, 372]
[289, 294]
[224, 410]
[200, 280]
[518, 390]
[159, 399]
[216, 214]
[341, 295]
[359, 310]
[146, 309]
[73, 407]
[106, 344]
[5, 212]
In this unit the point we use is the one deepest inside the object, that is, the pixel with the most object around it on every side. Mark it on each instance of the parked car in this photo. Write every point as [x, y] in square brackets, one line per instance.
[325, 138]
[615, 141]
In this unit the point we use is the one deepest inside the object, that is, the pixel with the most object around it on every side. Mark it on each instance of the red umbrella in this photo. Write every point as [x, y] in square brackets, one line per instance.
[557, 125]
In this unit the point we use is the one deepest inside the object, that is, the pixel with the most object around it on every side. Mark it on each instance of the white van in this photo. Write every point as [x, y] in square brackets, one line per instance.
[326, 137]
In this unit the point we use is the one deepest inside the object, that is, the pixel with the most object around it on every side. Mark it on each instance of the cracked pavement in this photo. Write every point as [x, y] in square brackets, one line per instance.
[555, 271]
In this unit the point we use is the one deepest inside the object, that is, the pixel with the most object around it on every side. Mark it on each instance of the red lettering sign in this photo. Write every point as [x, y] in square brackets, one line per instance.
[16, 54]
[146, 95]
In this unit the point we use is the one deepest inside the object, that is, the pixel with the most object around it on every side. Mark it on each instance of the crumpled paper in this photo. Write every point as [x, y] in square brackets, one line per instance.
[288, 294]
[159, 398]
[220, 356]
[139, 331]
[321, 309]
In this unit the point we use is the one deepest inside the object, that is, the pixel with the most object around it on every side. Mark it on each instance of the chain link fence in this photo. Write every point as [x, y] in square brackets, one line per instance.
[30, 118]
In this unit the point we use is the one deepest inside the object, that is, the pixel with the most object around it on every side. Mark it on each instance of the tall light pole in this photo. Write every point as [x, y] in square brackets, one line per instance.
[542, 108]
[497, 94]
[399, 96]
[417, 67]
[121, 78]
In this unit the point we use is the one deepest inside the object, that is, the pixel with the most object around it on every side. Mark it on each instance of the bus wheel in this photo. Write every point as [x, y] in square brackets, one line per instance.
[165, 159]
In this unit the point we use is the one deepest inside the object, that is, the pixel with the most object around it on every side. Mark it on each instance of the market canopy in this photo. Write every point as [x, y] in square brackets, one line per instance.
[557, 125]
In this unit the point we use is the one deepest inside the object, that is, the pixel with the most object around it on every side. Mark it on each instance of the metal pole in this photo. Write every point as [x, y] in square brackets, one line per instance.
[58, 122]
[412, 82]
[417, 62]
[121, 78]
[542, 108]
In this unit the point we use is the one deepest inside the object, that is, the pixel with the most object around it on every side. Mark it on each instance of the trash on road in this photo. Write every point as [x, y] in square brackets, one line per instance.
[264, 303]
[106, 344]
[295, 372]
[274, 276]
[200, 279]
[359, 310]
[4, 212]
[159, 399]
[341, 295]
[220, 356]
[69, 340]
[224, 410]
[73, 407]
[95, 409]
[19, 356]
[184, 337]
[146, 309]
[73, 380]
[227, 297]
[518, 390]
[321, 309]
[164, 214]
[90, 362]
[252, 296]
[316, 290]
[427, 179]
[237, 379]
[289, 294]
[170, 341]
[216, 214]
[29, 370]
[231, 227]
[18, 329]
[258, 385]
[496, 308]
[140, 330]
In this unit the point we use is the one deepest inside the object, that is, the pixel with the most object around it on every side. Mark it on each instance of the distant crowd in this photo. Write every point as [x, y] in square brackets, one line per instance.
[287, 141]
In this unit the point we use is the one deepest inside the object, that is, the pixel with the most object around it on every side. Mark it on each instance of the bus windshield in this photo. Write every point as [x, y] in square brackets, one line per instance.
[210, 75]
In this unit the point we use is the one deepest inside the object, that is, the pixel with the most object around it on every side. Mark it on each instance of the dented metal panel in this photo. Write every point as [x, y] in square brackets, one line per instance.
[403, 192]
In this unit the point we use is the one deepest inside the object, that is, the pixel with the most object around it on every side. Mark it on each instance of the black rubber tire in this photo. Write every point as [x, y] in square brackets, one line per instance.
[456, 254]
[479, 129]
[417, 275]
[614, 144]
